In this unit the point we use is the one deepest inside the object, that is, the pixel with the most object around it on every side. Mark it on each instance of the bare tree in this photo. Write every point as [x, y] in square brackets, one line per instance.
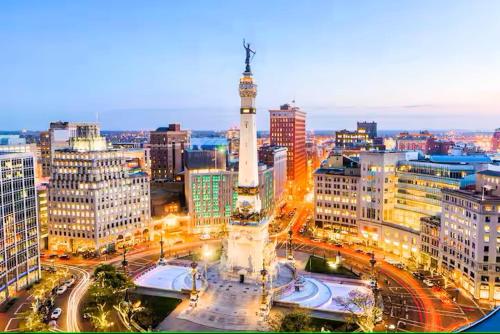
[362, 309]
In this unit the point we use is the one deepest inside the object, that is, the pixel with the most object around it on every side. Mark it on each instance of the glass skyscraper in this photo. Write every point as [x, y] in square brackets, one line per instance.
[19, 251]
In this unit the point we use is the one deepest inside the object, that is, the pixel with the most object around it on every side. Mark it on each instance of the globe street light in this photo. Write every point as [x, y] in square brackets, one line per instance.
[207, 254]
[194, 292]
[161, 261]
[290, 245]
[124, 261]
[263, 273]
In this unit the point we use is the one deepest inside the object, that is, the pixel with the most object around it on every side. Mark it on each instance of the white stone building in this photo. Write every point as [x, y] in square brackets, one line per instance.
[95, 199]
[470, 237]
[336, 188]
[376, 211]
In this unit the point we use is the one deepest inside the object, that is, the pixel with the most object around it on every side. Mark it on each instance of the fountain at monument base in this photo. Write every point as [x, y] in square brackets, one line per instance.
[230, 305]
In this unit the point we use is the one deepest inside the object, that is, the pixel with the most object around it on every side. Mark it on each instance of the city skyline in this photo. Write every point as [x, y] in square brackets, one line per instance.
[157, 63]
[356, 193]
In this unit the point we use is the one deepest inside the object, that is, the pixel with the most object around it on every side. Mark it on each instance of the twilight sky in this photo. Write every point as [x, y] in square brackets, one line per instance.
[143, 64]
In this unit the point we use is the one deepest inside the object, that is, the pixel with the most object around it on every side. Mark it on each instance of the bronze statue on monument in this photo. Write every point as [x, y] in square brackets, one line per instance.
[249, 55]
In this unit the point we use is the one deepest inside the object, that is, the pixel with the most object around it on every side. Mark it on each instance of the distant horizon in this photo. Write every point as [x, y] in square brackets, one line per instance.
[2, 131]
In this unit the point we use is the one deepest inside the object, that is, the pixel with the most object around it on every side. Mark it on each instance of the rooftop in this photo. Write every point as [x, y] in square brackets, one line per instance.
[336, 171]
[471, 195]
[460, 159]
[201, 143]
[490, 173]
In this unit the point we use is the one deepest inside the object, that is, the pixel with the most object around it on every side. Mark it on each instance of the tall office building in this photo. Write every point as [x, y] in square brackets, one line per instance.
[16, 144]
[336, 189]
[45, 153]
[233, 138]
[420, 183]
[210, 199]
[470, 237]
[430, 227]
[42, 194]
[19, 248]
[352, 139]
[377, 216]
[369, 128]
[167, 146]
[276, 157]
[12, 140]
[362, 139]
[288, 129]
[56, 138]
[211, 196]
[95, 199]
[495, 141]
[406, 141]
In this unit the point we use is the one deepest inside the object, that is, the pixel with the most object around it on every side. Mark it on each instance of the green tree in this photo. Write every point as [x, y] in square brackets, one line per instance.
[109, 277]
[33, 320]
[108, 288]
[297, 320]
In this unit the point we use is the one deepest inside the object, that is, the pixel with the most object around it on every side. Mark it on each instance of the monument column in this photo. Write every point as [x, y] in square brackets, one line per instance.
[248, 244]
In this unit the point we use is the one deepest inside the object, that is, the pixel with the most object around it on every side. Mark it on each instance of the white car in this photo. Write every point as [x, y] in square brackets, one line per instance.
[401, 266]
[62, 289]
[69, 283]
[205, 237]
[56, 313]
[428, 283]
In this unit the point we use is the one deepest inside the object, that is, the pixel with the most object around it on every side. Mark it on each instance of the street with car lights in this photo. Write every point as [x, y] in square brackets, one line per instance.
[409, 305]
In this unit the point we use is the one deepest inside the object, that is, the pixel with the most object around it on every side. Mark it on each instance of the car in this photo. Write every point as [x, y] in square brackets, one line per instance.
[316, 240]
[52, 256]
[62, 289]
[359, 251]
[205, 237]
[64, 257]
[69, 283]
[400, 266]
[56, 313]
[418, 275]
[428, 283]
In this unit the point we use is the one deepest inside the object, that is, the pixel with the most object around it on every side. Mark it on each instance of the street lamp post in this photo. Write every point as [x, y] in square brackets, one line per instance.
[263, 303]
[263, 273]
[161, 261]
[374, 284]
[206, 252]
[194, 293]
[124, 261]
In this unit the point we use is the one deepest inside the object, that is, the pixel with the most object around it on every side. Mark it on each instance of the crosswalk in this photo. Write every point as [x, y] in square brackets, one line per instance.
[306, 248]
